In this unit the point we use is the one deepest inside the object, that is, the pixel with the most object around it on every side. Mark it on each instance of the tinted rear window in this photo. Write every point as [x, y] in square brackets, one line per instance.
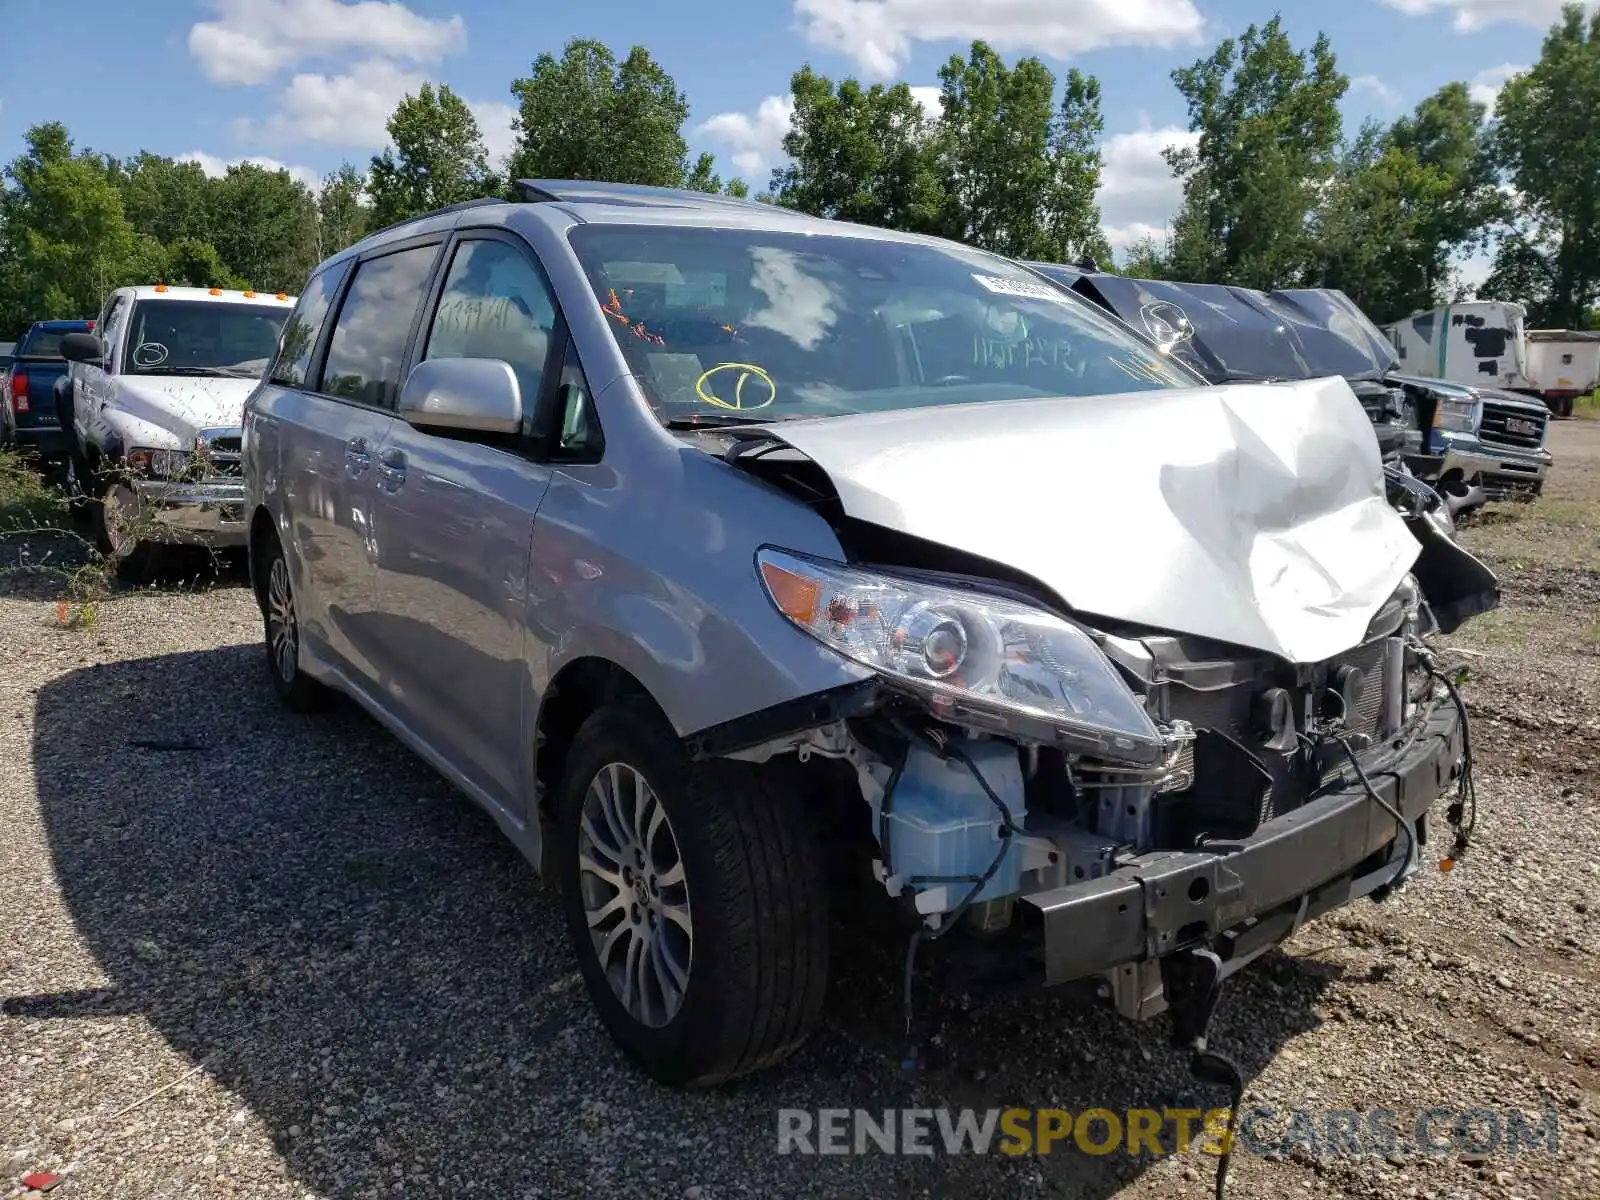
[42, 344]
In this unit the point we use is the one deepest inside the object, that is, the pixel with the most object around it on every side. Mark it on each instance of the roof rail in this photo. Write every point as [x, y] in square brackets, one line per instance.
[479, 202]
[576, 191]
[530, 192]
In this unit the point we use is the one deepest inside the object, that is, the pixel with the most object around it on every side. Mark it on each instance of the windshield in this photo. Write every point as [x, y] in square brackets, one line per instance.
[198, 337]
[737, 325]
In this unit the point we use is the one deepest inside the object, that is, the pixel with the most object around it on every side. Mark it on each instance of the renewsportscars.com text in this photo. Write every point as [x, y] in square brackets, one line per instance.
[1437, 1132]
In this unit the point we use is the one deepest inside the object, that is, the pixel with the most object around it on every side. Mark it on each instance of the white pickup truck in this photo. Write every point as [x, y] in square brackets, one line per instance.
[154, 403]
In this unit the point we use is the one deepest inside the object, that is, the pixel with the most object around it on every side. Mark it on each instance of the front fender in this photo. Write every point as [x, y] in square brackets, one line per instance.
[670, 593]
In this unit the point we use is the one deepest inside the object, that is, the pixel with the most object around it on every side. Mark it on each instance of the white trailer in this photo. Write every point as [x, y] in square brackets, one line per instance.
[1480, 343]
[1563, 364]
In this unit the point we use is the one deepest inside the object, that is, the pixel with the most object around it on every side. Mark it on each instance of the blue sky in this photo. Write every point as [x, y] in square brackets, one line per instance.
[309, 83]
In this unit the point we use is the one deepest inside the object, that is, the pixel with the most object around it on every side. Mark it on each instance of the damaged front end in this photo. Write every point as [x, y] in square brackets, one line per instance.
[1111, 796]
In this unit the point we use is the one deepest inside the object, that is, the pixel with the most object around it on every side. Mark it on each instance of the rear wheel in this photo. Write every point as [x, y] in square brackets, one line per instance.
[281, 620]
[695, 898]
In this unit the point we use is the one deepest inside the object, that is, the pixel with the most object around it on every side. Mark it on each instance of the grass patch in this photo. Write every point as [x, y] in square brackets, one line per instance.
[1501, 629]
[1587, 407]
[27, 501]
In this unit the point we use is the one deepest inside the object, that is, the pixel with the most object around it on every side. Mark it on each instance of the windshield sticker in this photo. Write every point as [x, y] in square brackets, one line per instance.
[1026, 288]
[149, 354]
[739, 387]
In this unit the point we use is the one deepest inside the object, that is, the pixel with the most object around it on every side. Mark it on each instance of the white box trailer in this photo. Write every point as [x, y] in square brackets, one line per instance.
[1563, 364]
[1480, 343]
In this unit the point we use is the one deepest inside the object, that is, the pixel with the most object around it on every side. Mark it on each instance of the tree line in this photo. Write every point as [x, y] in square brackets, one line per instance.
[1276, 192]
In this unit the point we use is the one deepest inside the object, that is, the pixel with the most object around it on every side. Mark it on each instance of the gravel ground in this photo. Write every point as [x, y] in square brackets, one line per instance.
[260, 955]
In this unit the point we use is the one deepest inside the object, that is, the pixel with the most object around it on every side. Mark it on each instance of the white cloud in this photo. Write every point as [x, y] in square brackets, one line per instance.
[251, 41]
[929, 98]
[1381, 91]
[1123, 238]
[754, 142]
[1138, 193]
[1468, 16]
[216, 166]
[494, 122]
[350, 110]
[1486, 84]
[1473, 271]
[878, 34]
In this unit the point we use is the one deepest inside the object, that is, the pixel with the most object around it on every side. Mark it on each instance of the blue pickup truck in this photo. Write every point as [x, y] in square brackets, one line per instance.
[27, 394]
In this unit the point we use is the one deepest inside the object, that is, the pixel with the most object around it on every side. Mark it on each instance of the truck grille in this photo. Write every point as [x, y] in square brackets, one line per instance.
[224, 454]
[1504, 425]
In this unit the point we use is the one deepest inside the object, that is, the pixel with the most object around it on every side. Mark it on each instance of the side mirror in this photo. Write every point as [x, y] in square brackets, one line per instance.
[83, 347]
[470, 395]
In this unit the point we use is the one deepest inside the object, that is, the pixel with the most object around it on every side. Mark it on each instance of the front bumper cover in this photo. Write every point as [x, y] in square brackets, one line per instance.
[1500, 472]
[210, 513]
[1247, 894]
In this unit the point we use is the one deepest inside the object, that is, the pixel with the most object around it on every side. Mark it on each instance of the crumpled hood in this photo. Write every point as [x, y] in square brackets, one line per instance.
[184, 405]
[1253, 514]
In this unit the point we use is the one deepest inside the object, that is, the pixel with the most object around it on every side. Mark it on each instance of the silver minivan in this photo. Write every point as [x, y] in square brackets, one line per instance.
[730, 557]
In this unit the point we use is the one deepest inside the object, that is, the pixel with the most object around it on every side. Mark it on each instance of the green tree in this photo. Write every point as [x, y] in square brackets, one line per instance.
[196, 263]
[1269, 126]
[994, 152]
[67, 239]
[438, 157]
[738, 187]
[1148, 258]
[1019, 172]
[265, 227]
[343, 215]
[583, 116]
[1072, 216]
[165, 198]
[1524, 270]
[1548, 144]
[859, 154]
[704, 177]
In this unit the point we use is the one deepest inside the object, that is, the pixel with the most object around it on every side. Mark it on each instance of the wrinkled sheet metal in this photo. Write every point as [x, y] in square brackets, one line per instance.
[1299, 333]
[1252, 514]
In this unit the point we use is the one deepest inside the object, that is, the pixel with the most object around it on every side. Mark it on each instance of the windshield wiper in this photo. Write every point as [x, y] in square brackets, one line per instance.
[721, 420]
[205, 371]
[1247, 377]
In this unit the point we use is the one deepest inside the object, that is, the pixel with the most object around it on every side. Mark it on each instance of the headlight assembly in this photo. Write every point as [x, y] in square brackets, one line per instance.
[168, 463]
[965, 650]
[1456, 416]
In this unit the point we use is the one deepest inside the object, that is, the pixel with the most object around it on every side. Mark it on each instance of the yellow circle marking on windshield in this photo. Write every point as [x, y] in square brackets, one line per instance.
[745, 370]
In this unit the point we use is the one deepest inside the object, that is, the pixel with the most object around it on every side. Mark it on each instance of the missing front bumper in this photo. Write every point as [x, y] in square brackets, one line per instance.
[1251, 893]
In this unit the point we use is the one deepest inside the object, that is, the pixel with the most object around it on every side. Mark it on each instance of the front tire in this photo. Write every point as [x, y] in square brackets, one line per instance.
[281, 622]
[695, 897]
[110, 519]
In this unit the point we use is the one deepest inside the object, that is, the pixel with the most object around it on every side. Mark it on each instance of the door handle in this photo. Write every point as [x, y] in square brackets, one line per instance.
[357, 458]
[392, 469]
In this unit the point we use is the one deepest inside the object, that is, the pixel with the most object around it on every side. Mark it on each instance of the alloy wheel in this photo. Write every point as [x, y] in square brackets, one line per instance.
[282, 633]
[635, 896]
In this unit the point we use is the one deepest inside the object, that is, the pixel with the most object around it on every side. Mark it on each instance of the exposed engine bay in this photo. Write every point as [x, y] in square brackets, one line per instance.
[1148, 751]
[1107, 791]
